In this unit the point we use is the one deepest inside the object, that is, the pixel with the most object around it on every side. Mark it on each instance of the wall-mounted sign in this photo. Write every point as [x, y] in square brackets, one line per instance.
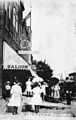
[23, 67]
[25, 44]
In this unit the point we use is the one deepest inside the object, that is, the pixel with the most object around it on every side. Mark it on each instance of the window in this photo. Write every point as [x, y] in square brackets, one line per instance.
[9, 10]
[14, 17]
[28, 21]
[6, 13]
[6, 5]
[16, 23]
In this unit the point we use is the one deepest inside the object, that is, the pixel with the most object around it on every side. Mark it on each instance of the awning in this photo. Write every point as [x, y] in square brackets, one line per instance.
[11, 60]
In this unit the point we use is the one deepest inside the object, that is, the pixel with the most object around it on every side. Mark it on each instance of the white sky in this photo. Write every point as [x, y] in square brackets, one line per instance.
[54, 33]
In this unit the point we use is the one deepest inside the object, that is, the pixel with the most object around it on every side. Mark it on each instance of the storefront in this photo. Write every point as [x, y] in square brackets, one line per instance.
[14, 65]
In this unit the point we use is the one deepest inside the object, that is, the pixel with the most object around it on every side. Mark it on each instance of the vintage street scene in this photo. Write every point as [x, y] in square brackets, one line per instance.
[37, 59]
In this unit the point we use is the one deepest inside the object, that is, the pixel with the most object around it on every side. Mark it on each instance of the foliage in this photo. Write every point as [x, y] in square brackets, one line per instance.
[53, 81]
[43, 70]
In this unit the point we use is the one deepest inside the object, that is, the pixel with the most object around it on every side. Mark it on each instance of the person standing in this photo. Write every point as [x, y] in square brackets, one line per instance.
[36, 99]
[43, 88]
[57, 92]
[52, 92]
[28, 87]
[16, 96]
[68, 97]
[7, 89]
[68, 91]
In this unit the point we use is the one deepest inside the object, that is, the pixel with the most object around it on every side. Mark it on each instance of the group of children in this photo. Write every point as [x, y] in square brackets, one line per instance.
[14, 94]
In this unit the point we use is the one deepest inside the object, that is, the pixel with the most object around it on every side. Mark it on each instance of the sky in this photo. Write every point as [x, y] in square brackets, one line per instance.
[54, 33]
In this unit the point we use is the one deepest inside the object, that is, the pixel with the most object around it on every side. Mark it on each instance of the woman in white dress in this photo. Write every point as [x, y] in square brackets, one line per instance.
[57, 92]
[28, 87]
[36, 99]
[16, 94]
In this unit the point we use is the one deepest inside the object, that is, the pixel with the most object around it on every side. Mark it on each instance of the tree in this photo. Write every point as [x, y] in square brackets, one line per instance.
[53, 81]
[43, 70]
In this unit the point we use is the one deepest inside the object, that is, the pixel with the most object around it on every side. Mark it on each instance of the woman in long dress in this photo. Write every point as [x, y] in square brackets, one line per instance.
[28, 87]
[57, 92]
[15, 100]
[36, 99]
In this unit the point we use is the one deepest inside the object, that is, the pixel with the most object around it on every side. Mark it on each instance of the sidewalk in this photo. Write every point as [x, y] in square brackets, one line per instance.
[54, 108]
[27, 100]
[33, 117]
[2, 105]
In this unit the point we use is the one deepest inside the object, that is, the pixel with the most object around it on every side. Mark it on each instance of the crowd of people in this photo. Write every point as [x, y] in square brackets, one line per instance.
[34, 89]
[14, 94]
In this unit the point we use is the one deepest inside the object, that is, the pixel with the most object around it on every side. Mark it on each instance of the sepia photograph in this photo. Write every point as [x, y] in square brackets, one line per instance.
[37, 59]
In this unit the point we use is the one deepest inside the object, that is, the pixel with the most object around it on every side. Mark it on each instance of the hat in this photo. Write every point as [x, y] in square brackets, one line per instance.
[15, 77]
[36, 84]
[16, 81]
[8, 82]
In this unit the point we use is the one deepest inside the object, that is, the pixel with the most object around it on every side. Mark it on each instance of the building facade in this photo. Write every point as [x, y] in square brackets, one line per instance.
[11, 29]
[26, 37]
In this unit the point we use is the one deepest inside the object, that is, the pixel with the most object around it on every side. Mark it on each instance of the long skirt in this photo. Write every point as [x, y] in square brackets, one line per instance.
[36, 100]
[56, 94]
[15, 100]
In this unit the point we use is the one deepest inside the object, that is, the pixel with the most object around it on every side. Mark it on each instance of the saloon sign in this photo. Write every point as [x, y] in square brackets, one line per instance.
[23, 67]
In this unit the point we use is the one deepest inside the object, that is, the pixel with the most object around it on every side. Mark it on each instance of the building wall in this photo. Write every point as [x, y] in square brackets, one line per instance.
[10, 28]
[26, 37]
[1, 48]
[12, 24]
